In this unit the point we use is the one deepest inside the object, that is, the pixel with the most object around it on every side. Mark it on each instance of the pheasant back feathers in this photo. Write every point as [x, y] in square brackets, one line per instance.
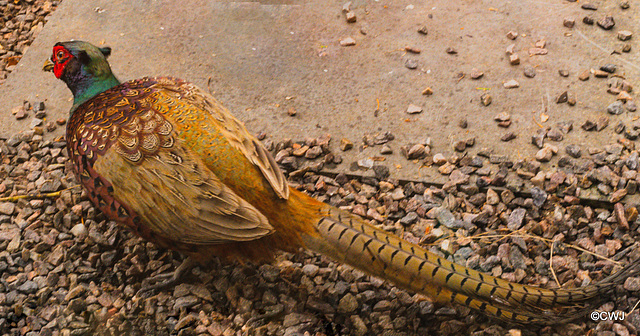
[160, 152]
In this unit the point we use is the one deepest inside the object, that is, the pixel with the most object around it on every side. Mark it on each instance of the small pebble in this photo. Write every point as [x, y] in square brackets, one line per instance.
[588, 125]
[510, 49]
[417, 151]
[462, 123]
[624, 35]
[345, 144]
[411, 64]
[606, 22]
[516, 218]
[529, 71]
[508, 136]
[79, 230]
[514, 59]
[486, 99]
[610, 68]
[347, 41]
[632, 284]
[584, 75]
[427, 91]
[569, 22]
[460, 146]
[574, 151]
[624, 96]
[537, 51]
[544, 155]
[602, 123]
[511, 84]
[562, 98]
[20, 114]
[476, 74]
[414, 109]
[412, 49]
[386, 150]
[350, 17]
[502, 116]
[588, 20]
[600, 74]
[630, 106]
[615, 108]
[512, 35]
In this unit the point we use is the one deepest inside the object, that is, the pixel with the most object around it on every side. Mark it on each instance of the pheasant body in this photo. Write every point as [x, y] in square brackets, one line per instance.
[145, 127]
[171, 163]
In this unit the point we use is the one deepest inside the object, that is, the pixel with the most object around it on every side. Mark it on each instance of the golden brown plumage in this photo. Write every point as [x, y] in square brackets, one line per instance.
[170, 162]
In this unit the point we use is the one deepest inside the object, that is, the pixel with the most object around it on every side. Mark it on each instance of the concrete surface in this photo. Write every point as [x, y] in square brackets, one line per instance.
[265, 58]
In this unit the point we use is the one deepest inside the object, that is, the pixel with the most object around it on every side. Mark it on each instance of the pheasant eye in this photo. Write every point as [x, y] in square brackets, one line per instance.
[60, 54]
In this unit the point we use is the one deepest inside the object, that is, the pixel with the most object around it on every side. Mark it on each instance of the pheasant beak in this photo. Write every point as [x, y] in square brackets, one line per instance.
[48, 66]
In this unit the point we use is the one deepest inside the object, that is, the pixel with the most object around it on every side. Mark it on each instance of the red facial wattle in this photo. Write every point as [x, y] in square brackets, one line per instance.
[60, 58]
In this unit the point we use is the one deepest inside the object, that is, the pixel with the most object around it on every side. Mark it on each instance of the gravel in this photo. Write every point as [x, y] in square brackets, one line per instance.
[21, 21]
[85, 271]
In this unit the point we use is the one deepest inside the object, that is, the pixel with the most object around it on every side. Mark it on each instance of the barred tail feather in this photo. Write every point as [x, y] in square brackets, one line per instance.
[349, 239]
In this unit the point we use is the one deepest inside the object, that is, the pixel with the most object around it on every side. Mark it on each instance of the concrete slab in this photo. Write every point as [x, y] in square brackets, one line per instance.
[265, 58]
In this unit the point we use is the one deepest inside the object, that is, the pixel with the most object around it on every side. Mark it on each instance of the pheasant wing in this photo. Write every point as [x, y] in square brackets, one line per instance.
[233, 129]
[179, 198]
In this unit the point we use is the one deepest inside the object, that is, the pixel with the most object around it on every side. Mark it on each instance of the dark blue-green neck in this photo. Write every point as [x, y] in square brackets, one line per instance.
[85, 86]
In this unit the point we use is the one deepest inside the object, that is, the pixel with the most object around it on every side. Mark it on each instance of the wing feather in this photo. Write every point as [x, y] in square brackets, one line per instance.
[234, 130]
[185, 202]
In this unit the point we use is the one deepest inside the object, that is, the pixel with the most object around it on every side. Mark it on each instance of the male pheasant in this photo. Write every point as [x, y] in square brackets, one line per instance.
[169, 162]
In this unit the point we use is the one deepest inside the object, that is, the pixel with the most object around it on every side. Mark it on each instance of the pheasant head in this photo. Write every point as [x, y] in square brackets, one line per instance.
[83, 67]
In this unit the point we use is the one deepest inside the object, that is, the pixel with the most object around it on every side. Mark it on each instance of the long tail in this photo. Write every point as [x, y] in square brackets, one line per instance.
[349, 239]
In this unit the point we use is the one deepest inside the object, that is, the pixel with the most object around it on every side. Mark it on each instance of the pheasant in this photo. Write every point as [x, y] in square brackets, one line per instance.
[167, 160]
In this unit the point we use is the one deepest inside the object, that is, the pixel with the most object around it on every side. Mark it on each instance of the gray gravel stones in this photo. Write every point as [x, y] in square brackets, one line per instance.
[616, 108]
[348, 304]
[632, 284]
[21, 23]
[411, 64]
[610, 68]
[7, 208]
[574, 151]
[516, 219]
